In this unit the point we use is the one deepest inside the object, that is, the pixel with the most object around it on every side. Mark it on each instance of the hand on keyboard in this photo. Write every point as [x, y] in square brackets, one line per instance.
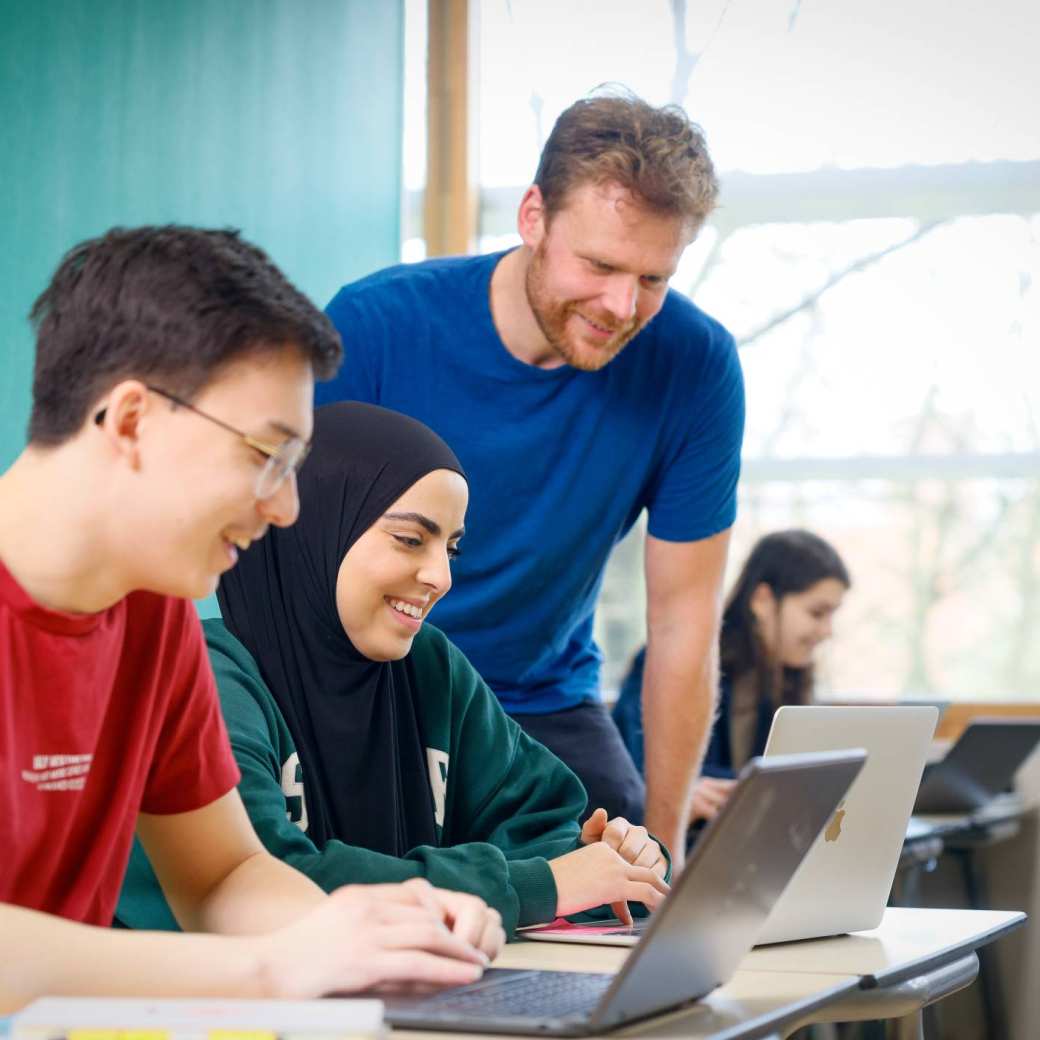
[376, 936]
[473, 921]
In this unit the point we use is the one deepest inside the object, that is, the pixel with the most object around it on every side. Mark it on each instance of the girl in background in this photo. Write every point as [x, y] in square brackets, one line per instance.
[778, 613]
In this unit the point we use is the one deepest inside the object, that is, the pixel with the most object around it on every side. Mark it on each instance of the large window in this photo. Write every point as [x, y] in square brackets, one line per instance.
[877, 255]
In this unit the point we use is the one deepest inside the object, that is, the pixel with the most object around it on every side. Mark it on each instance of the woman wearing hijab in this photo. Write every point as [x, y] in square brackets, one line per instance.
[370, 749]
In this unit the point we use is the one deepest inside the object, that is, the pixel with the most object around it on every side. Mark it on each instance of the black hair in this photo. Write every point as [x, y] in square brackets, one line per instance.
[787, 562]
[170, 305]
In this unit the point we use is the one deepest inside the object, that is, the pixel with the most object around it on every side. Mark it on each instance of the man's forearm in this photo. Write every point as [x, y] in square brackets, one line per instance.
[684, 610]
[45, 955]
[261, 894]
[218, 877]
[679, 693]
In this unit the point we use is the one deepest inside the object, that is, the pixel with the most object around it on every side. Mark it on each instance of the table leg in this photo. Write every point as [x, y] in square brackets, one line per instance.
[909, 1027]
[977, 889]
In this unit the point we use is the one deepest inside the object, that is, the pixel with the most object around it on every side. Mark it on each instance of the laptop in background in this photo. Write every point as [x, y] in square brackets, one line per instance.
[844, 881]
[694, 941]
[979, 766]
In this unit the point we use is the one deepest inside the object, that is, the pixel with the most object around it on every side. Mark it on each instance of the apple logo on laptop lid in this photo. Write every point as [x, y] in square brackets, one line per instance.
[833, 830]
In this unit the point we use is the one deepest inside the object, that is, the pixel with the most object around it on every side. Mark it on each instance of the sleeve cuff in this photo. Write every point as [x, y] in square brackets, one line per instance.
[666, 852]
[535, 888]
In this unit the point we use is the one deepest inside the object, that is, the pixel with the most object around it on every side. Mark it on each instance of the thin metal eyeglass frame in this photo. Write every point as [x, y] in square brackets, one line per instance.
[272, 451]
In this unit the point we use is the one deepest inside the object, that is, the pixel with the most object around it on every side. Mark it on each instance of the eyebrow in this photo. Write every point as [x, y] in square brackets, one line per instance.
[424, 521]
[274, 424]
[642, 274]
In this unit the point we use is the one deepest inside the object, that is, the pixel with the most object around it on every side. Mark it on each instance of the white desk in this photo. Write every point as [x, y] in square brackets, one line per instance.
[914, 956]
[908, 942]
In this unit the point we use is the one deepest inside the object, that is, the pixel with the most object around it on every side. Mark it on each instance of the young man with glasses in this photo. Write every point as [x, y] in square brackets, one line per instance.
[171, 408]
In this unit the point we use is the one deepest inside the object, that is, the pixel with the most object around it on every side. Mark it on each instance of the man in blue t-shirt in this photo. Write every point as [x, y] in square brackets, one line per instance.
[517, 360]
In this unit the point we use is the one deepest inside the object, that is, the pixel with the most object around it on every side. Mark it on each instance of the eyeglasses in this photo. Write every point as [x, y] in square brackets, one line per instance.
[282, 459]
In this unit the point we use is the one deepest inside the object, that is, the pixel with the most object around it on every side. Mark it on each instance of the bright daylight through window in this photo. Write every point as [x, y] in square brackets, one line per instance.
[877, 255]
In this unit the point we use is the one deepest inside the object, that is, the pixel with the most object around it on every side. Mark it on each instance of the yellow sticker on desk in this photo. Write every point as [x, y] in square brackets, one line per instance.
[240, 1034]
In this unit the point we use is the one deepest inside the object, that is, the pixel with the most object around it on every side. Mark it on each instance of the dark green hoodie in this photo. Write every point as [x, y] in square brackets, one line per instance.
[504, 804]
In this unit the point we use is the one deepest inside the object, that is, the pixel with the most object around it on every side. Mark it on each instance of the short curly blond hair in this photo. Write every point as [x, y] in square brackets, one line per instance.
[613, 136]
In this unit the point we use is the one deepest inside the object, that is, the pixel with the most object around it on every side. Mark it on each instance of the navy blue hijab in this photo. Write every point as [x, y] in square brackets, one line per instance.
[354, 721]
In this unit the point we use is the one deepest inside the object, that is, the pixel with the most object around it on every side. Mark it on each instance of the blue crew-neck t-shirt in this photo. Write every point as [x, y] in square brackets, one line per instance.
[560, 462]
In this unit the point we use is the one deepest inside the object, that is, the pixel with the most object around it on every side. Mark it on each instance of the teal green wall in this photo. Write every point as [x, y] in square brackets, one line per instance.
[279, 117]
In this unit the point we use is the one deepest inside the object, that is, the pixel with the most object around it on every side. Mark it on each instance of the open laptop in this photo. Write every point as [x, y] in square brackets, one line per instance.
[696, 939]
[844, 881]
[978, 767]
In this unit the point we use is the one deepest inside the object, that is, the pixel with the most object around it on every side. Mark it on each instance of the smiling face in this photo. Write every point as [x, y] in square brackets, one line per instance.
[396, 571]
[794, 627]
[598, 270]
[193, 484]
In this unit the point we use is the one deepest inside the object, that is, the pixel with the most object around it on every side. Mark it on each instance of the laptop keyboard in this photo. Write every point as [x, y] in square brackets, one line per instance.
[637, 927]
[506, 992]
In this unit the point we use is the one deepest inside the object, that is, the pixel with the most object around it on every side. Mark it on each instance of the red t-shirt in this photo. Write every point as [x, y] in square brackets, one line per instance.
[101, 716]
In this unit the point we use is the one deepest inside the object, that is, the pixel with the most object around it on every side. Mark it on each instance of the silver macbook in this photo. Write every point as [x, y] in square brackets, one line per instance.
[696, 939]
[843, 883]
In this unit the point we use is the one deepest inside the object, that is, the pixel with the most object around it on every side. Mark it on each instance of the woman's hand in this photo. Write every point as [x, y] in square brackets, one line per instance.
[629, 841]
[597, 874]
[709, 796]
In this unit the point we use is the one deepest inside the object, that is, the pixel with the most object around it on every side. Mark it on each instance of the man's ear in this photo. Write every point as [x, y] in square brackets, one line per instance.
[125, 407]
[531, 218]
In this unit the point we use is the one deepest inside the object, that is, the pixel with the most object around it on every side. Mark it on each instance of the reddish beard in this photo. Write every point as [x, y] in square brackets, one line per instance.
[553, 315]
